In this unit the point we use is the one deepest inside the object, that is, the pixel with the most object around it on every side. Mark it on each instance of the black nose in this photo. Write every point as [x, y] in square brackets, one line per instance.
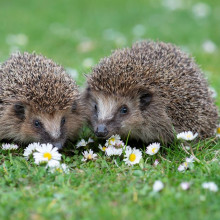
[101, 131]
[58, 145]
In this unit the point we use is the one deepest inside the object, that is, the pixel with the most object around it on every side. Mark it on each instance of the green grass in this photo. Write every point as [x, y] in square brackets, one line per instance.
[100, 189]
[103, 190]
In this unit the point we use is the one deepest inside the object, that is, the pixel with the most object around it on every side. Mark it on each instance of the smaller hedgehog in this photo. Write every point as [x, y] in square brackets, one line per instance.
[150, 91]
[39, 102]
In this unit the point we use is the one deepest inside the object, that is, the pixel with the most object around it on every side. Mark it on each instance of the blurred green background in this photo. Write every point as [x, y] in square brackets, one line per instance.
[77, 33]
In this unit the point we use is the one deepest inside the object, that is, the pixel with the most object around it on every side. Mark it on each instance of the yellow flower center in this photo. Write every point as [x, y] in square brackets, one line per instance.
[111, 140]
[188, 135]
[104, 148]
[132, 157]
[185, 164]
[89, 157]
[48, 156]
[153, 149]
[218, 130]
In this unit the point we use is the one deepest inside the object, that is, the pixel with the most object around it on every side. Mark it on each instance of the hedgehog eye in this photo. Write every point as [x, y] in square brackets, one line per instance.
[37, 123]
[96, 110]
[124, 110]
[63, 120]
[96, 107]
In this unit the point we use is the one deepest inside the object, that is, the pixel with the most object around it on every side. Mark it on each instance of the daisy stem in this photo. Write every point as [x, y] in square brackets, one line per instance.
[215, 157]
[116, 163]
[127, 138]
[196, 159]
[183, 147]
[165, 159]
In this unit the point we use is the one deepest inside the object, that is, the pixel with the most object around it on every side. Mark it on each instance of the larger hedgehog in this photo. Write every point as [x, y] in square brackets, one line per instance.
[39, 102]
[150, 91]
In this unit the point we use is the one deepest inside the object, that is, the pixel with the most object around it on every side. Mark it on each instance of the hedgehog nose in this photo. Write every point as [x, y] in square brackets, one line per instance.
[101, 131]
[58, 145]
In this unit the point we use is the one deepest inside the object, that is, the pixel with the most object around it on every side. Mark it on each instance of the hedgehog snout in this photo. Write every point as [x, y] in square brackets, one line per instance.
[101, 130]
[59, 145]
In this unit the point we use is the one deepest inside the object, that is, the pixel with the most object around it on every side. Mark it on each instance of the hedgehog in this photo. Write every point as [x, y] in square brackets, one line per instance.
[149, 92]
[39, 101]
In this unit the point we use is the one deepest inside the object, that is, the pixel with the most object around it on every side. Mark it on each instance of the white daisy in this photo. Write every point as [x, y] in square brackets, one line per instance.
[185, 185]
[156, 162]
[119, 144]
[211, 186]
[114, 139]
[102, 148]
[126, 148]
[30, 149]
[158, 186]
[65, 168]
[89, 155]
[61, 168]
[81, 143]
[153, 148]
[111, 151]
[184, 166]
[132, 156]
[190, 159]
[9, 147]
[53, 163]
[90, 140]
[187, 135]
[46, 153]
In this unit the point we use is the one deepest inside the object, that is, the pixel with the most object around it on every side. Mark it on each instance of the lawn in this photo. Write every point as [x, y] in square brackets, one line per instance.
[77, 34]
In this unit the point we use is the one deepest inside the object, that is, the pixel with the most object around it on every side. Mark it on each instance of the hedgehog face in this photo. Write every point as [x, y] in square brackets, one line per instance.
[33, 126]
[39, 101]
[112, 114]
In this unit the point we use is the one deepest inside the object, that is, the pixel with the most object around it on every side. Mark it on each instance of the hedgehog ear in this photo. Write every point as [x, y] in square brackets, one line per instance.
[19, 109]
[145, 99]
